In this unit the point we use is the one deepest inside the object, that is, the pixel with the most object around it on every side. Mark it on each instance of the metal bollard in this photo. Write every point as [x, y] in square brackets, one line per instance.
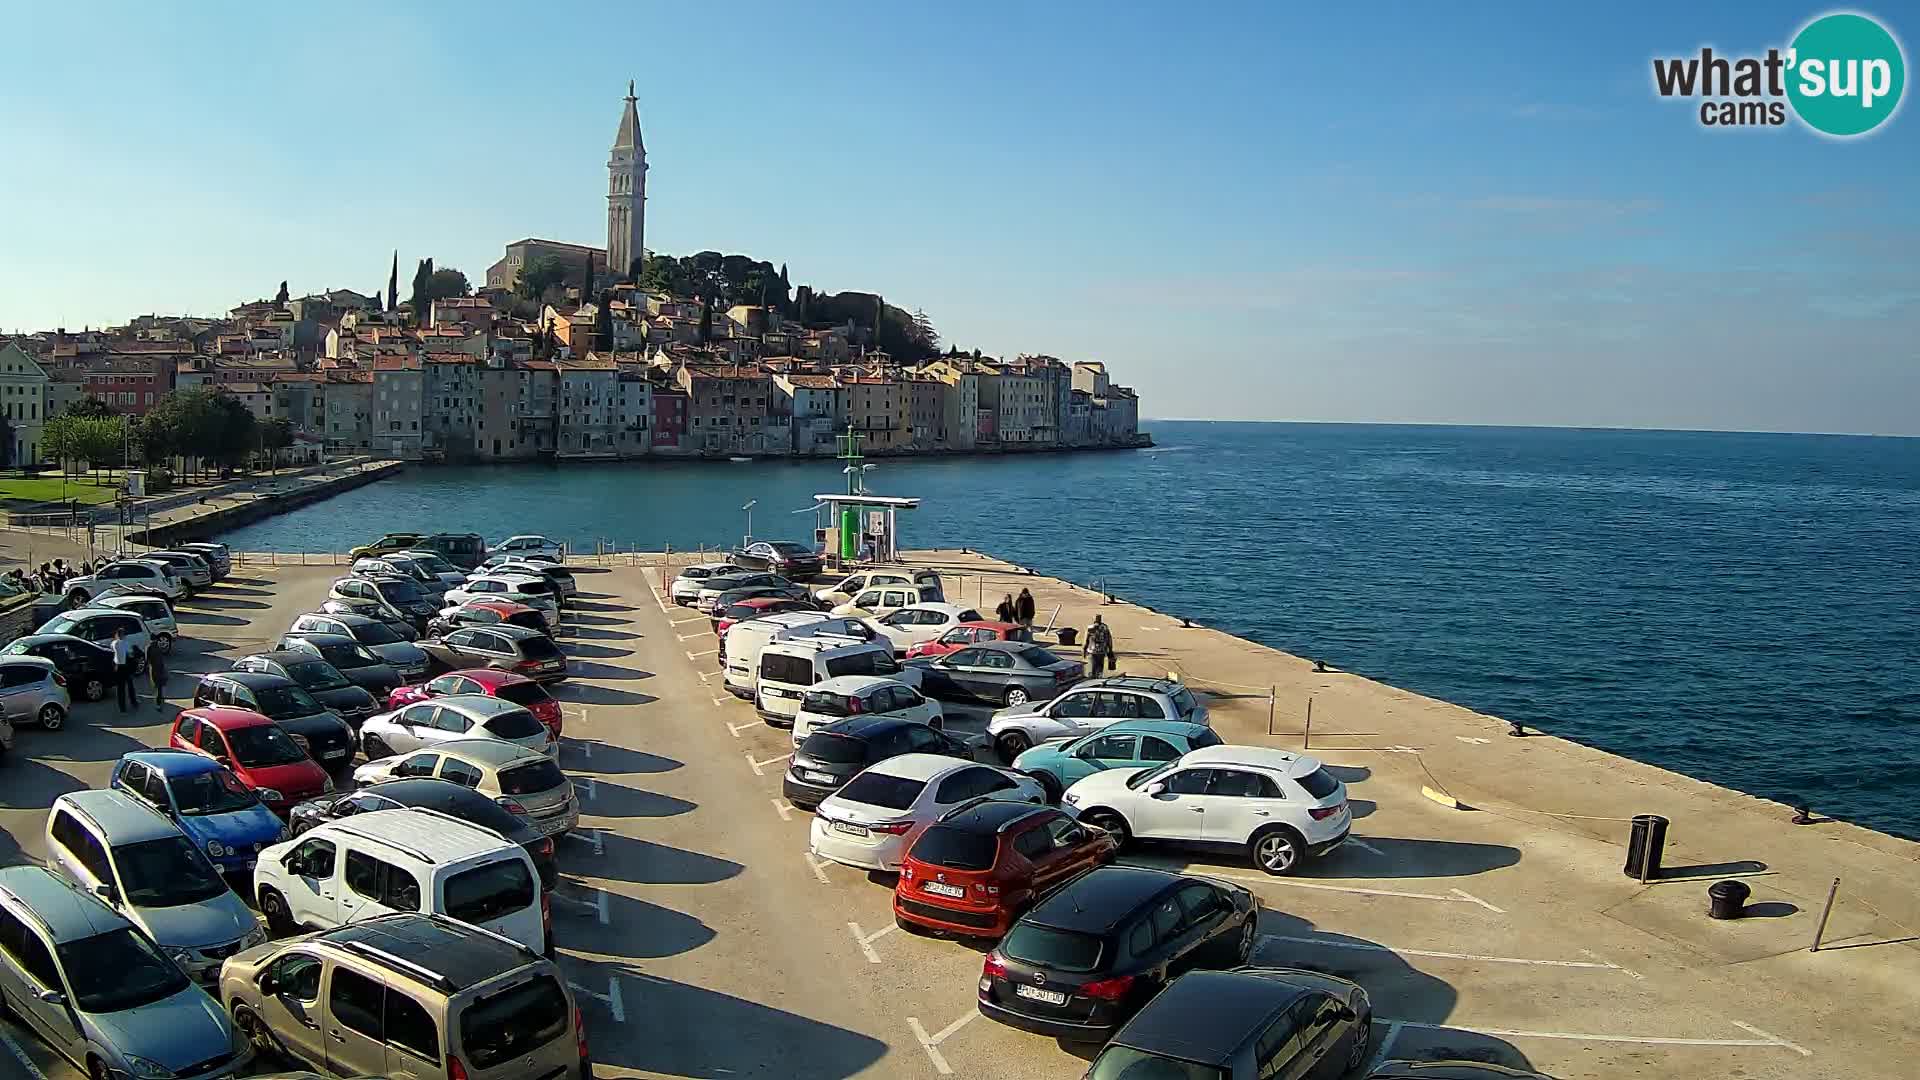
[1644, 846]
[1727, 899]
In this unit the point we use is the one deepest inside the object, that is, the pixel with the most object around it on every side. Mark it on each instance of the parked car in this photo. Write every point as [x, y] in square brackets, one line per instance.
[856, 695]
[1449, 1070]
[220, 555]
[32, 691]
[458, 716]
[469, 804]
[388, 861]
[464, 550]
[971, 632]
[505, 648]
[406, 658]
[976, 869]
[387, 543]
[1279, 808]
[740, 645]
[491, 682]
[263, 756]
[117, 848]
[758, 607]
[475, 1004]
[154, 610]
[787, 558]
[1248, 1024]
[523, 781]
[865, 824]
[6, 737]
[156, 576]
[1092, 705]
[391, 599]
[316, 728]
[1060, 762]
[485, 613]
[437, 564]
[691, 579]
[1009, 673]
[561, 578]
[402, 628]
[916, 624]
[193, 570]
[317, 677]
[885, 600]
[216, 810]
[352, 659]
[1083, 960]
[98, 624]
[835, 754]
[100, 993]
[536, 593]
[527, 544]
[920, 581]
[720, 584]
[788, 593]
[790, 666]
[399, 564]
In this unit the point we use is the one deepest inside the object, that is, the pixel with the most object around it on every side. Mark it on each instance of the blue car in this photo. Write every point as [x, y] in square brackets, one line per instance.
[212, 806]
[1129, 744]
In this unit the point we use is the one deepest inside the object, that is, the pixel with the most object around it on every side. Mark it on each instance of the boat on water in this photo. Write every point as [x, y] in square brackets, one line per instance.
[739, 458]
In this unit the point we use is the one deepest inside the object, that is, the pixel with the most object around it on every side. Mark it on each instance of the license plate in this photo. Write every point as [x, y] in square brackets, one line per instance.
[816, 777]
[330, 754]
[1034, 993]
[940, 889]
[851, 829]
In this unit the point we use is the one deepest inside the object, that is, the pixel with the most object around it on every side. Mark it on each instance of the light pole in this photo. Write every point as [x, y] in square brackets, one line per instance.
[749, 509]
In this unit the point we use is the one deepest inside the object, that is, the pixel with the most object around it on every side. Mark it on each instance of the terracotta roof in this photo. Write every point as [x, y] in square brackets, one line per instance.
[299, 377]
[246, 388]
[450, 358]
[814, 382]
[396, 363]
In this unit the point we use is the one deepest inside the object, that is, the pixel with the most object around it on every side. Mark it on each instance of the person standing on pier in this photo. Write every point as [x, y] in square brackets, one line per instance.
[123, 671]
[1023, 608]
[1098, 647]
[157, 670]
[1004, 612]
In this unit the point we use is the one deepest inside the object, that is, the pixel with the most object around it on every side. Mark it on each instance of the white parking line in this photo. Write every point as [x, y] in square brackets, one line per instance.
[1629, 972]
[698, 655]
[1774, 1039]
[1462, 898]
[593, 791]
[819, 866]
[719, 701]
[1472, 899]
[1386, 1046]
[611, 998]
[736, 729]
[690, 637]
[1769, 1040]
[931, 1043]
[1328, 943]
[21, 1055]
[760, 766]
[866, 940]
[784, 808]
[598, 903]
[591, 836]
[705, 675]
[1354, 841]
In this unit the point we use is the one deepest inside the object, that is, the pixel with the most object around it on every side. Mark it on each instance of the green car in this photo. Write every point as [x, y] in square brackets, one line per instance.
[1129, 744]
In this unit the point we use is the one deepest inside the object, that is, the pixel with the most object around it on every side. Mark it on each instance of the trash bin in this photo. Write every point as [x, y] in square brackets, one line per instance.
[1644, 847]
[1067, 635]
[1727, 899]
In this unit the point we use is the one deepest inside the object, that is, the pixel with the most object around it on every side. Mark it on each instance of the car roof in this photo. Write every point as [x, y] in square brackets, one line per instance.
[821, 643]
[514, 633]
[89, 612]
[920, 766]
[492, 678]
[429, 790]
[1015, 647]
[990, 815]
[66, 912]
[504, 607]
[1253, 757]
[1205, 1016]
[36, 639]
[1143, 683]
[125, 818]
[786, 619]
[171, 763]
[284, 656]
[431, 837]
[20, 660]
[710, 566]
[320, 637]
[940, 606]
[763, 601]
[344, 618]
[989, 624]
[867, 726]
[450, 955]
[494, 753]
[849, 684]
[253, 680]
[1101, 899]
[1184, 728]
[480, 705]
[229, 718]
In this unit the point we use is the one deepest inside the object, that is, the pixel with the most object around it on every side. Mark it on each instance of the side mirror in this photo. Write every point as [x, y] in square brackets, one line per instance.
[1156, 789]
[52, 997]
[269, 985]
[224, 760]
[107, 894]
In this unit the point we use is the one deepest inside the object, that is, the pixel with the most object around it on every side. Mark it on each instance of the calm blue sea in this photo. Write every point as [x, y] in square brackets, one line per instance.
[1737, 607]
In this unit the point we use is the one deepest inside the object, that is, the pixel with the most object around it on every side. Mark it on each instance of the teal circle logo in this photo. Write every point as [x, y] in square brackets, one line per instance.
[1846, 75]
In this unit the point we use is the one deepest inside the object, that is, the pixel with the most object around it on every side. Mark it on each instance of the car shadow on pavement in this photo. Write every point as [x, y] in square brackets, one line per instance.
[188, 617]
[646, 931]
[575, 649]
[1348, 774]
[575, 619]
[576, 694]
[221, 602]
[1361, 807]
[33, 784]
[577, 604]
[644, 862]
[590, 670]
[621, 801]
[605, 759]
[678, 1029]
[592, 633]
[1407, 858]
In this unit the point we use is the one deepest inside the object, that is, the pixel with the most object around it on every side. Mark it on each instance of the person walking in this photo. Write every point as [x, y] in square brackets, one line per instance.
[123, 671]
[1005, 612]
[1023, 608]
[157, 671]
[1098, 647]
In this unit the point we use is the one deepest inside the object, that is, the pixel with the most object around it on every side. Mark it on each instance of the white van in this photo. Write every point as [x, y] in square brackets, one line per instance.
[788, 668]
[385, 861]
[740, 649]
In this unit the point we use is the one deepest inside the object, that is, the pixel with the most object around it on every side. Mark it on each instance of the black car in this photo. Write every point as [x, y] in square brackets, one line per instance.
[784, 557]
[426, 793]
[832, 755]
[1245, 1024]
[1083, 960]
[361, 667]
[326, 737]
[87, 667]
[471, 614]
[316, 677]
[1450, 1070]
[997, 673]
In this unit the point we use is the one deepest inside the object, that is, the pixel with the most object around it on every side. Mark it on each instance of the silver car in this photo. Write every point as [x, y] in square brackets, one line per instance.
[374, 635]
[688, 583]
[32, 692]
[430, 723]
[98, 990]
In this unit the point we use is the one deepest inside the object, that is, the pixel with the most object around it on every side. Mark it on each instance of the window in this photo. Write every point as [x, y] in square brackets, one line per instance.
[1201, 902]
[298, 976]
[1064, 831]
[451, 721]
[417, 765]
[1110, 748]
[382, 882]
[1074, 706]
[518, 1020]
[357, 1002]
[1153, 749]
[26, 948]
[1168, 920]
[1235, 783]
[314, 859]
[1034, 844]
[460, 773]
[490, 891]
[410, 1027]
[1319, 784]
[1189, 781]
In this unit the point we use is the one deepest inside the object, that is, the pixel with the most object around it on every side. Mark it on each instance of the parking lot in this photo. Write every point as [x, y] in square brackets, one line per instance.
[706, 942]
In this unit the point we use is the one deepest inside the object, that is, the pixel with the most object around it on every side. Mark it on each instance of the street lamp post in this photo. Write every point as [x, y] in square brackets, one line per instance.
[749, 509]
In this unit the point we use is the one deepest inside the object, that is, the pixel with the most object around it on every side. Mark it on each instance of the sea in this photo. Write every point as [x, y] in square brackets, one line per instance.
[1737, 607]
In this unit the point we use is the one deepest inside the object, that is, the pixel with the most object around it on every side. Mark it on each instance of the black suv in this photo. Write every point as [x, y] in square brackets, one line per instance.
[1244, 1024]
[317, 677]
[319, 730]
[426, 793]
[834, 754]
[1083, 960]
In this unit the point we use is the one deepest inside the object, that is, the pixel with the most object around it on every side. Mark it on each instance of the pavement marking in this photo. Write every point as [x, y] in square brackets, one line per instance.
[21, 1055]
[611, 998]
[760, 766]
[931, 1043]
[1472, 899]
[598, 903]
[1386, 1045]
[719, 701]
[784, 808]
[819, 866]
[1462, 898]
[1623, 970]
[704, 652]
[1369, 947]
[593, 791]
[690, 637]
[1769, 1041]
[736, 729]
[591, 836]
[705, 675]
[1772, 1038]
[1472, 740]
[1354, 841]
[865, 940]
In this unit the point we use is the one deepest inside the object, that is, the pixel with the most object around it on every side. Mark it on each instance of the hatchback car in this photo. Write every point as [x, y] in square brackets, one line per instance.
[219, 555]
[32, 691]
[486, 613]
[971, 633]
[917, 624]
[1010, 673]
[1079, 963]
[505, 648]
[379, 638]
[525, 782]
[155, 611]
[865, 824]
[191, 568]
[389, 542]
[885, 600]
[445, 719]
[1279, 808]
[501, 684]
[313, 674]
[1247, 1024]
[924, 583]
[754, 607]
[264, 757]
[789, 594]
[455, 799]
[316, 728]
[436, 564]
[352, 659]
[205, 800]
[977, 868]
[98, 625]
[835, 754]
[87, 667]
[842, 696]
[527, 544]
[100, 992]
[1130, 744]
[561, 578]
[687, 584]
[535, 593]
[1091, 705]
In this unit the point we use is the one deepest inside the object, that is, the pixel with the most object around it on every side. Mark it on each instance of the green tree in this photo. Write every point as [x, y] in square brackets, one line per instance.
[56, 438]
[275, 435]
[90, 407]
[540, 275]
[446, 282]
[393, 283]
[586, 281]
[422, 274]
[280, 298]
[706, 321]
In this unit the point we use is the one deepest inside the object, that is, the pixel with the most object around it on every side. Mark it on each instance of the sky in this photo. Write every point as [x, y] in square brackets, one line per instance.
[1474, 213]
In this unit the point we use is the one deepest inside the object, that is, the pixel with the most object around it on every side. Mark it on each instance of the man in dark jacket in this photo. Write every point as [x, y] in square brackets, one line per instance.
[1005, 611]
[1023, 608]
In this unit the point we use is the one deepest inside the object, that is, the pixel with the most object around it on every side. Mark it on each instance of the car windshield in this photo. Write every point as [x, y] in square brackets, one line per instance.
[834, 749]
[523, 693]
[1202, 739]
[167, 872]
[60, 624]
[263, 747]
[516, 724]
[1060, 950]
[347, 657]
[1041, 658]
[1319, 783]
[879, 789]
[1126, 1063]
[515, 1021]
[433, 563]
[790, 547]
[531, 777]
[398, 591]
[279, 701]
[822, 703]
[216, 792]
[373, 633]
[1137, 780]
[955, 849]
[316, 675]
[118, 970]
[865, 662]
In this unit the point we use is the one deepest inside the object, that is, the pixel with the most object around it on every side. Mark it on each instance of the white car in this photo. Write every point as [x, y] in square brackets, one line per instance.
[861, 580]
[514, 587]
[861, 695]
[528, 544]
[918, 623]
[429, 723]
[865, 824]
[687, 585]
[1278, 807]
[887, 599]
[152, 575]
[1090, 705]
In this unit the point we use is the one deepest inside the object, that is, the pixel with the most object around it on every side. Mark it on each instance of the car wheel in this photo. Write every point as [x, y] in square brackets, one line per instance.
[1016, 696]
[76, 599]
[273, 907]
[163, 644]
[1012, 744]
[1276, 851]
[375, 748]
[52, 717]
[93, 688]
[96, 1069]
[1362, 1040]
[1249, 936]
[1109, 822]
[255, 1029]
[1050, 784]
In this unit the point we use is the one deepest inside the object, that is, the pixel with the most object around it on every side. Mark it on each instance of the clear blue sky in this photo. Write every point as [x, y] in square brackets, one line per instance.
[1452, 213]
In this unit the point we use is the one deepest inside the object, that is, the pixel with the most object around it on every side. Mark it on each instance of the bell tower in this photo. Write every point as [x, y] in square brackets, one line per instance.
[627, 195]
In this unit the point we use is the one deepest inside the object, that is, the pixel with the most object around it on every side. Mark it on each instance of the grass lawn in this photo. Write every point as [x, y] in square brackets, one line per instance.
[47, 488]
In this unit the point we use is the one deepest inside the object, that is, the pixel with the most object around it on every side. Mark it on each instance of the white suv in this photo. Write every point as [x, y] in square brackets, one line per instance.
[842, 696]
[1278, 807]
[152, 575]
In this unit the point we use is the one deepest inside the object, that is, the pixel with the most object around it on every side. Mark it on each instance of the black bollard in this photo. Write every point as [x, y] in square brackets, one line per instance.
[1727, 899]
[1644, 846]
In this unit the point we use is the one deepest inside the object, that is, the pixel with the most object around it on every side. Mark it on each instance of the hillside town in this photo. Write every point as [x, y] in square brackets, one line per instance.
[602, 360]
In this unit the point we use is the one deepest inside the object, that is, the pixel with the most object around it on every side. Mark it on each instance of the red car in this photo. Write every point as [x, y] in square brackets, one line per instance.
[501, 684]
[964, 634]
[754, 607]
[975, 870]
[259, 752]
